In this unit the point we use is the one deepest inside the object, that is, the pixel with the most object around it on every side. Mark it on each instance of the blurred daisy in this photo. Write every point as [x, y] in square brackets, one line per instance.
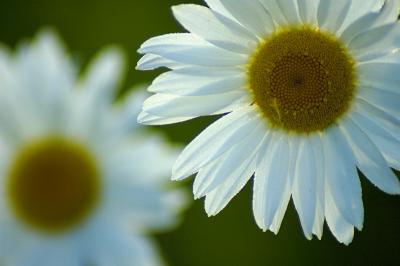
[311, 88]
[79, 186]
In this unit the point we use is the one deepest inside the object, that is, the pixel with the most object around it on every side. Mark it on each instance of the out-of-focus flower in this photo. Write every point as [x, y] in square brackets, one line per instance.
[312, 92]
[81, 182]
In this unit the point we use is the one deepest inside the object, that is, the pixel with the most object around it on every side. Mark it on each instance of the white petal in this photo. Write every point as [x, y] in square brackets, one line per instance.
[390, 12]
[359, 26]
[308, 10]
[148, 119]
[342, 178]
[151, 62]
[215, 28]
[304, 190]
[123, 117]
[290, 11]
[147, 147]
[385, 100]
[234, 161]
[95, 93]
[61, 253]
[272, 185]
[252, 15]
[118, 248]
[387, 14]
[214, 141]
[340, 228]
[197, 81]
[104, 73]
[386, 120]
[375, 41]
[360, 8]
[56, 71]
[10, 100]
[275, 9]
[369, 160]
[318, 151]
[385, 141]
[202, 178]
[189, 49]
[217, 6]
[145, 206]
[332, 13]
[45, 76]
[220, 197]
[384, 76]
[167, 105]
[294, 144]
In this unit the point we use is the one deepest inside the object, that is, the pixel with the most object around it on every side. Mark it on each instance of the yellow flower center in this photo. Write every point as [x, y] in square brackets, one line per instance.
[53, 185]
[303, 80]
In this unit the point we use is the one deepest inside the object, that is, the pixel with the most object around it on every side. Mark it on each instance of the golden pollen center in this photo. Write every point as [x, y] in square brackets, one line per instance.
[53, 185]
[303, 80]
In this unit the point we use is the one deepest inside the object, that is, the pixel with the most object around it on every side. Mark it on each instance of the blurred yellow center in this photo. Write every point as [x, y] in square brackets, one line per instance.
[53, 185]
[303, 80]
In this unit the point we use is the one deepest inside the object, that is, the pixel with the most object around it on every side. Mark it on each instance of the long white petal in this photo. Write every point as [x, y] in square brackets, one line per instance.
[290, 10]
[215, 28]
[318, 151]
[342, 178]
[220, 197]
[275, 9]
[308, 10]
[217, 6]
[304, 190]
[332, 13]
[151, 62]
[227, 167]
[45, 78]
[167, 105]
[272, 185]
[359, 26]
[387, 14]
[148, 119]
[123, 117]
[369, 160]
[340, 228]
[13, 129]
[197, 81]
[104, 73]
[384, 140]
[214, 141]
[203, 176]
[386, 120]
[360, 8]
[383, 76]
[252, 15]
[190, 49]
[95, 93]
[294, 144]
[383, 99]
[376, 41]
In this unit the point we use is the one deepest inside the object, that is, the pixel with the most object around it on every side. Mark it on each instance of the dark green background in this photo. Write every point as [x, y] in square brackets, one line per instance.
[231, 238]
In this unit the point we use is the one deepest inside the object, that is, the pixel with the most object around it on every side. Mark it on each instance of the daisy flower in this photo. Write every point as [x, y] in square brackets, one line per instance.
[311, 93]
[77, 185]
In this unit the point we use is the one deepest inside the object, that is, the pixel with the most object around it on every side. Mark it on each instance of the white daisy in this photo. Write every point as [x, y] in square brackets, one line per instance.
[81, 182]
[311, 88]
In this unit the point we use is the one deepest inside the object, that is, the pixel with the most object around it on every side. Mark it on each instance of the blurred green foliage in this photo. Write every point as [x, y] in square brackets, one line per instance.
[232, 238]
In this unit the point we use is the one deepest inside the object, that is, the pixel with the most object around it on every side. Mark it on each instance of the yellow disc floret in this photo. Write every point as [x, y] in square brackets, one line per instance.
[303, 80]
[53, 184]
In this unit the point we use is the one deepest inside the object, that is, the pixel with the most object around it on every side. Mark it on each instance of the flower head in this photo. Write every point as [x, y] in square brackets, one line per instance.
[310, 92]
[77, 186]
